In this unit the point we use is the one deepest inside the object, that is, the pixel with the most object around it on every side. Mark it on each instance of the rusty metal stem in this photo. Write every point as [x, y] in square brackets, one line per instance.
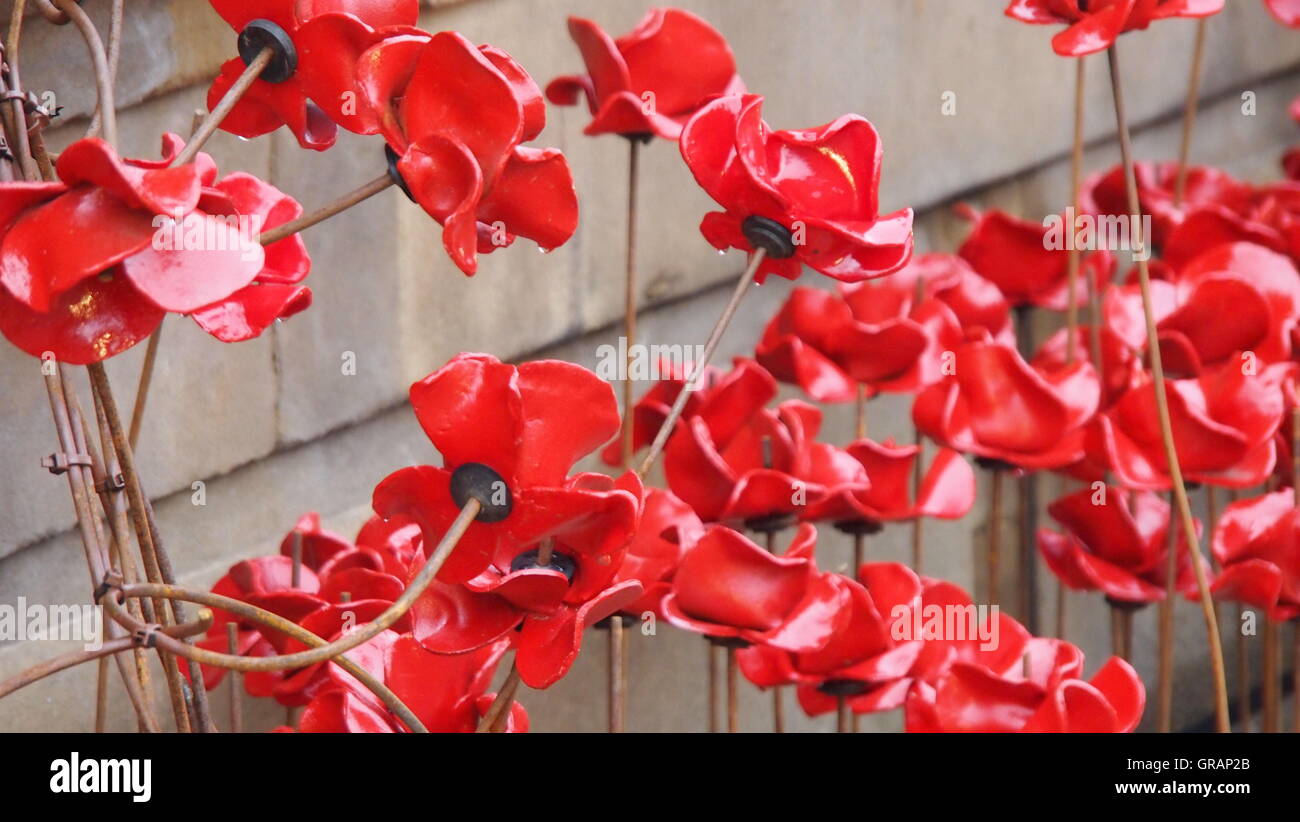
[1189, 110]
[497, 716]
[224, 106]
[99, 62]
[323, 213]
[1222, 723]
[1165, 642]
[630, 301]
[617, 674]
[715, 336]
[357, 636]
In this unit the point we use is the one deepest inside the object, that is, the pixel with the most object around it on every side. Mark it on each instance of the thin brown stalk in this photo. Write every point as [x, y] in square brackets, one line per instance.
[1162, 408]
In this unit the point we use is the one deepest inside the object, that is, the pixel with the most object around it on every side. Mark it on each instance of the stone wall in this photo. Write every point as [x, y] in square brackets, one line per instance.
[274, 427]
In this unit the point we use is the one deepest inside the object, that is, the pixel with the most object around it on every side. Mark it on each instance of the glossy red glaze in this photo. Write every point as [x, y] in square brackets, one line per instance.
[1094, 25]
[652, 79]
[460, 143]
[820, 184]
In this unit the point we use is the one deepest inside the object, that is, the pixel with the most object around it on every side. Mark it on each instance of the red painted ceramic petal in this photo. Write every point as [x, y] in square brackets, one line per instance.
[422, 493]
[94, 320]
[382, 74]
[251, 310]
[1123, 690]
[679, 57]
[547, 647]
[727, 579]
[448, 183]
[471, 409]
[605, 67]
[160, 190]
[59, 244]
[184, 280]
[251, 117]
[451, 619]
[534, 197]
[456, 93]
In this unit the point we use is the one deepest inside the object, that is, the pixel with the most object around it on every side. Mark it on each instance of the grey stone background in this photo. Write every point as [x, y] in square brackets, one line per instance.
[274, 428]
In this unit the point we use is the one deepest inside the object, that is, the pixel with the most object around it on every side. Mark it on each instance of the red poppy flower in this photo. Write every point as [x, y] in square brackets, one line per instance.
[998, 407]
[447, 693]
[1255, 543]
[668, 529]
[651, 80]
[650, 412]
[1094, 26]
[976, 302]
[457, 115]
[276, 293]
[551, 605]
[1263, 289]
[1052, 698]
[863, 661]
[953, 629]
[318, 88]
[517, 421]
[1287, 12]
[1204, 186]
[871, 482]
[729, 588]
[1115, 547]
[1223, 423]
[90, 264]
[739, 461]
[815, 187]
[1016, 256]
[816, 342]
[1119, 364]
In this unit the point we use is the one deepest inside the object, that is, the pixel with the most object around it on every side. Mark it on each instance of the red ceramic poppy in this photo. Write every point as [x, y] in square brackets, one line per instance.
[1224, 423]
[1017, 256]
[815, 341]
[864, 660]
[976, 302]
[739, 461]
[652, 409]
[1119, 363]
[870, 483]
[1287, 12]
[518, 422]
[1255, 544]
[447, 693]
[276, 293]
[651, 80]
[90, 264]
[1106, 194]
[551, 605]
[998, 407]
[728, 588]
[457, 115]
[883, 309]
[1052, 698]
[1114, 546]
[1094, 25]
[667, 530]
[315, 89]
[1263, 289]
[953, 629]
[809, 197]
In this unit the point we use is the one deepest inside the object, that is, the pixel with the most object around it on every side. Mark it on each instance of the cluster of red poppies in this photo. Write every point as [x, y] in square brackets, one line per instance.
[550, 552]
